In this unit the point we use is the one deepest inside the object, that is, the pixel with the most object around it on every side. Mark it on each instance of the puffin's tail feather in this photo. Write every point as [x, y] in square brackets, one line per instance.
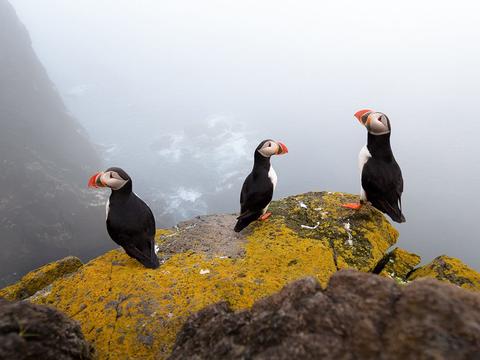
[240, 225]
[394, 211]
[244, 220]
[150, 262]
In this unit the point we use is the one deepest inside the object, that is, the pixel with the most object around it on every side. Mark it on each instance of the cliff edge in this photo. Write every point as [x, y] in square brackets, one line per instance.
[127, 311]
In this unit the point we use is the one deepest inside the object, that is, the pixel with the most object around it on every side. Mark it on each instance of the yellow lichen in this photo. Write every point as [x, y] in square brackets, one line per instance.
[358, 238]
[40, 278]
[128, 311]
[399, 263]
[449, 269]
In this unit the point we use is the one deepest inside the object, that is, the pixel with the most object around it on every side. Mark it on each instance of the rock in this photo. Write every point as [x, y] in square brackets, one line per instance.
[46, 156]
[29, 331]
[359, 239]
[128, 311]
[398, 264]
[358, 316]
[449, 269]
[40, 278]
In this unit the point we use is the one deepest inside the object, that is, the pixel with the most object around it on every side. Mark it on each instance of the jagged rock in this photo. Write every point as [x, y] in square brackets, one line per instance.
[359, 316]
[398, 264]
[40, 278]
[31, 332]
[449, 269]
[132, 312]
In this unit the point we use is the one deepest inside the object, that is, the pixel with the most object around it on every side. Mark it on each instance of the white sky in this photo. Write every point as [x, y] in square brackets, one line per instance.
[131, 71]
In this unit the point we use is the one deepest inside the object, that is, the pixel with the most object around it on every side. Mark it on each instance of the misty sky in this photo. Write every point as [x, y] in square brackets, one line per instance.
[179, 93]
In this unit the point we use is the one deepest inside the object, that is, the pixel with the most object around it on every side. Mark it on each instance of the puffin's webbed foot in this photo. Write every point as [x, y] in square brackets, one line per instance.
[352, 206]
[265, 216]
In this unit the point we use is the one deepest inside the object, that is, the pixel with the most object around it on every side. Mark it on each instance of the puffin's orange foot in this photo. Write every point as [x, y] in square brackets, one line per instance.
[265, 216]
[353, 206]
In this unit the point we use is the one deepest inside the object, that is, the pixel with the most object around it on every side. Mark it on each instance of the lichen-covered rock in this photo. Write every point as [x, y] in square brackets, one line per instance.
[449, 269]
[128, 311]
[359, 316]
[358, 238]
[31, 332]
[398, 264]
[40, 278]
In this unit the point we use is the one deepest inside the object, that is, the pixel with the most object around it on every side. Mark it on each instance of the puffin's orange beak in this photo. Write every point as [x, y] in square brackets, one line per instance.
[360, 115]
[95, 181]
[282, 148]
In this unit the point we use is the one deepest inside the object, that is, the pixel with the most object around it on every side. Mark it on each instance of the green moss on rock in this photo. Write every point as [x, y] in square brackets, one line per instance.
[449, 269]
[40, 278]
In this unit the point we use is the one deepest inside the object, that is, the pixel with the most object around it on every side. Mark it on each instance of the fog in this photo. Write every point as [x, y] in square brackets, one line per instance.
[179, 93]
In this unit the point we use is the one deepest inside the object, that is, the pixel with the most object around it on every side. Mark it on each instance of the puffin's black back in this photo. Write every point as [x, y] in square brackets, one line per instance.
[382, 178]
[256, 193]
[131, 224]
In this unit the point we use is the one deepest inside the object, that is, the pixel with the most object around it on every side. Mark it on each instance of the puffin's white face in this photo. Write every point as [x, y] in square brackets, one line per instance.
[268, 148]
[109, 178]
[376, 123]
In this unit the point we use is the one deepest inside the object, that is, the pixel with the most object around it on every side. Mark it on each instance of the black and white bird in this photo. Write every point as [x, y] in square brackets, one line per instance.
[130, 222]
[381, 177]
[258, 187]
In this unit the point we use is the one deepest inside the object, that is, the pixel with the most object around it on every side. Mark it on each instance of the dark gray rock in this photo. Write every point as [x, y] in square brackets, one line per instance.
[46, 159]
[358, 316]
[29, 331]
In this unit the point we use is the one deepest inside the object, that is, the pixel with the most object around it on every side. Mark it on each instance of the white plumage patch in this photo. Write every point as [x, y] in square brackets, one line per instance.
[272, 175]
[107, 208]
[363, 157]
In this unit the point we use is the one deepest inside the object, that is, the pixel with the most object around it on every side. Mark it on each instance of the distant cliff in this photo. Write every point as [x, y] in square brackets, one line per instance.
[45, 159]
[129, 312]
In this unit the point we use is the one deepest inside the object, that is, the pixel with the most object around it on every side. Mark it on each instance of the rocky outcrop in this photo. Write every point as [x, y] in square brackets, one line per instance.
[358, 316]
[129, 312]
[449, 269]
[30, 332]
[398, 264]
[46, 212]
[41, 278]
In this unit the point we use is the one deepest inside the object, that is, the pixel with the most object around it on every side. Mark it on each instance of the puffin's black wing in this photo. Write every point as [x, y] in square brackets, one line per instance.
[254, 197]
[383, 185]
[134, 230]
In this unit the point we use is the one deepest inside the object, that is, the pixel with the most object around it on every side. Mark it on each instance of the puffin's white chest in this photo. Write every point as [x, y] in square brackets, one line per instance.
[363, 157]
[272, 175]
[107, 208]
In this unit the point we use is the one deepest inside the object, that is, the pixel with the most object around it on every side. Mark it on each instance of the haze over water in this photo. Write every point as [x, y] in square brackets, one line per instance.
[179, 93]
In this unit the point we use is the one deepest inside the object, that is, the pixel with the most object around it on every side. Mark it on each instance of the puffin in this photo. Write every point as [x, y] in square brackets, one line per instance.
[258, 187]
[381, 176]
[130, 222]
